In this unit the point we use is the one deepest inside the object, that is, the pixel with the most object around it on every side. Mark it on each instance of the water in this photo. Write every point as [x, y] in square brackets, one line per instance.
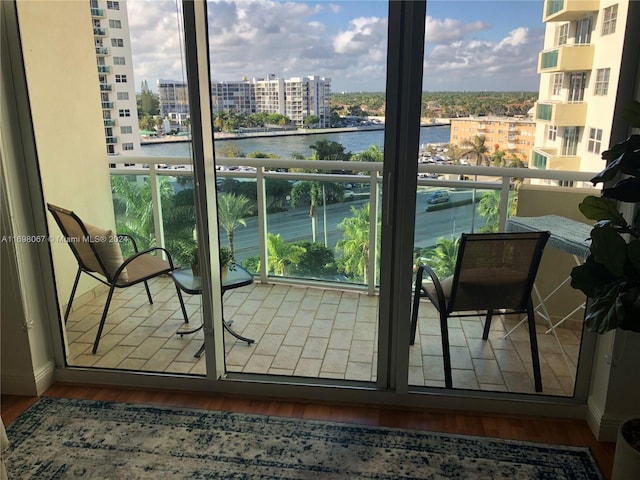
[286, 145]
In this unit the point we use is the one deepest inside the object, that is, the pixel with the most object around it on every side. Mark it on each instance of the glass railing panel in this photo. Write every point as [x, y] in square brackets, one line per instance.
[544, 112]
[550, 59]
[554, 6]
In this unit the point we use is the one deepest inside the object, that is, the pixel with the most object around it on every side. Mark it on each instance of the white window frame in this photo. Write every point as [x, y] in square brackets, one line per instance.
[609, 19]
[601, 86]
[124, 129]
[121, 78]
[113, 5]
[117, 42]
[113, 23]
[595, 140]
[552, 133]
[124, 112]
[563, 34]
[122, 95]
[127, 146]
[119, 60]
[558, 80]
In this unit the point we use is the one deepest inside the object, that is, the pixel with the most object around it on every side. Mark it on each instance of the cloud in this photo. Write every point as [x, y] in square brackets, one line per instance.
[450, 30]
[507, 64]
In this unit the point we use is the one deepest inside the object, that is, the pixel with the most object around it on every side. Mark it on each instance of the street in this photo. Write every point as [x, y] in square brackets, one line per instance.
[295, 225]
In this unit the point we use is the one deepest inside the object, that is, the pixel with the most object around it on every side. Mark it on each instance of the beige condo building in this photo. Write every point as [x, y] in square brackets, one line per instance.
[579, 78]
[512, 135]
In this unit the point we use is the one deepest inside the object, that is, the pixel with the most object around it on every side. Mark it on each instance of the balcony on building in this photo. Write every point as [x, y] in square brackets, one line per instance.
[99, 32]
[562, 114]
[97, 13]
[107, 105]
[567, 10]
[566, 58]
[549, 159]
[105, 87]
[102, 51]
[109, 122]
[104, 69]
[111, 140]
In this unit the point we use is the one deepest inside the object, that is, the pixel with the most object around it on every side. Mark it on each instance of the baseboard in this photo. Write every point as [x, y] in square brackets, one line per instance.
[45, 377]
[604, 426]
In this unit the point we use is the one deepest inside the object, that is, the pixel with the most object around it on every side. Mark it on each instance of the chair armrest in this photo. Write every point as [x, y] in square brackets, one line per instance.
[139, 254]
[122, 236]
[441, 302]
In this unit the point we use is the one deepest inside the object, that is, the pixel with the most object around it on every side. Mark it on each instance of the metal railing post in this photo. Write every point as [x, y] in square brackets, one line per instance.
[156, 201]
[373, 233]
[504, 203]
[262, 223]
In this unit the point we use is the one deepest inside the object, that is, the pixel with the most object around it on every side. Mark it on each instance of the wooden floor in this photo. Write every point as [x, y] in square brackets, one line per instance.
[534, 429]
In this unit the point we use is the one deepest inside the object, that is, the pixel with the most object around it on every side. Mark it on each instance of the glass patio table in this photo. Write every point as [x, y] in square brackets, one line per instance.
[190, 283]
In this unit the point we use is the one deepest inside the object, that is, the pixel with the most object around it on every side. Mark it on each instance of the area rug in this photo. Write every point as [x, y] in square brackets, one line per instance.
[69, 439]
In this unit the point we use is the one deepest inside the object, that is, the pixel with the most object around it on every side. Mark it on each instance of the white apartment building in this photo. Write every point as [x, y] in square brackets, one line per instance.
[115, 74]
[174, 100]
[579, 73]
[296, 97]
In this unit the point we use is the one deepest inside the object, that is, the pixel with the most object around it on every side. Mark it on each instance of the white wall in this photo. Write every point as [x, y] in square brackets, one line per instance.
[62, 78]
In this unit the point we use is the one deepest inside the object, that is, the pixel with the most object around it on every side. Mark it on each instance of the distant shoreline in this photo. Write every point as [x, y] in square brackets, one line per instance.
[279, 133]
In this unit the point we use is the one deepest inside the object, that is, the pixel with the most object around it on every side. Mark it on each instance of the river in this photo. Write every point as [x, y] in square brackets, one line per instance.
[284, 146]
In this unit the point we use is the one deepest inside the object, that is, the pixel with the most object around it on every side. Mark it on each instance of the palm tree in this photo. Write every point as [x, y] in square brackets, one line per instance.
[489, 208]
[455, 153]
[355, 245]
[476, 147]
[316, 191]
[442, 258]
[282, 254]
[232, 209]
[372, 154]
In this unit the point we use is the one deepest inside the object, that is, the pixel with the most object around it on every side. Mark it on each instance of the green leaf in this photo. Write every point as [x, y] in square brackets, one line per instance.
[609, 249]
[633, 254]
[591, 278]
[605, 313]
[626, 190]
[601, 208]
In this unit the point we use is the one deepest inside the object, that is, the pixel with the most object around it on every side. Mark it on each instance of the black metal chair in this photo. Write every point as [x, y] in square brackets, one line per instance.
[98, 254]
[494, 272]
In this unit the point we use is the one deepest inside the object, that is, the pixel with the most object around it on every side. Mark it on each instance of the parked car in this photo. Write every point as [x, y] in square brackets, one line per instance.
[349, 195]
[439, 196]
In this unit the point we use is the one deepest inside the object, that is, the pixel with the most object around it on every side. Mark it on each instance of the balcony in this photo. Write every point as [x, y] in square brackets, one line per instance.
[109, 122]
[105, 87]
[104, 69]
[111, 140]
[567, 10]
[314, 328]
[107, 105]
[548, 159]
[97, 13]
[99, 32]
[566, 58]
[102, 51]
[562, 114]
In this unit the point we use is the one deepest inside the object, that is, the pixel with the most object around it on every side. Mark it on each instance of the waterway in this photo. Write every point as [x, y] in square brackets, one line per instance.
[284, 146]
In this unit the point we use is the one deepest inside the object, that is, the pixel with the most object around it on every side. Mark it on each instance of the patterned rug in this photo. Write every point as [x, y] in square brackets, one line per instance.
[68, 439]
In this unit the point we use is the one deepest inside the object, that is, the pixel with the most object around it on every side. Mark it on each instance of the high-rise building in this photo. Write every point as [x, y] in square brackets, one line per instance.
[115, 74]
[296, 98]
[579, 73]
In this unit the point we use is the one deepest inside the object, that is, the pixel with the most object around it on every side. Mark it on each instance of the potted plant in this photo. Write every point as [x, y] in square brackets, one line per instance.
[187, 254]
[610, 276]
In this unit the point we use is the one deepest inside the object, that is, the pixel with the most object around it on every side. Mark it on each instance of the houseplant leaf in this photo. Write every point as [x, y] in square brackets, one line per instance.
[609, 249]
[605, 312]
[600, 208]
[590, 277]
[626, 190]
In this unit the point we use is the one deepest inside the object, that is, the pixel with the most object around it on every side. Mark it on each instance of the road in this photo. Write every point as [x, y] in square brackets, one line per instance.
[295, 225]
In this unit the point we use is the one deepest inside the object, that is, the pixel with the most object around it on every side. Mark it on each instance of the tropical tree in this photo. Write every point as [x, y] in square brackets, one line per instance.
[455, 153]
[498, 158]
[354, 246]
[476, 147]
[282, 254]
[442, 258]
[317, 261]
[489, 208]
[311, 120]
[329, 150]
[232, 210]
[372, 154]
[134, 208]
[317, 193]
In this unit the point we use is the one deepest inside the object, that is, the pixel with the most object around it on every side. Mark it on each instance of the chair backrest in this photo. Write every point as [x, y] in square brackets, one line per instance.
[84, 240]
[496, 270]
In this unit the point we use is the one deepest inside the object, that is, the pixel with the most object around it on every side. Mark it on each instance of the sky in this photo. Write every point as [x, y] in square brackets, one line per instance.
[471, 45]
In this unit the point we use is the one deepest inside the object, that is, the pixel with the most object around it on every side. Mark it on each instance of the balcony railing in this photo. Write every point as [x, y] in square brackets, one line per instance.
[562, 114]
[566, 58]
[111, 140]
[367, 175]
[99, 32]
[567, 10]
[104, 69]
[107, 105]
[104, 87]
[549, 159]
[97, 12]
[109, 122]
[102, 51]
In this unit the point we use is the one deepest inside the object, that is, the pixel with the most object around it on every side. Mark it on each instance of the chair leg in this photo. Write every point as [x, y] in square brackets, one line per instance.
[533, 339]
[146, 287]
[416, 305]
[487, 325]
[103, 319]
[73, 292]
[446, 352]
